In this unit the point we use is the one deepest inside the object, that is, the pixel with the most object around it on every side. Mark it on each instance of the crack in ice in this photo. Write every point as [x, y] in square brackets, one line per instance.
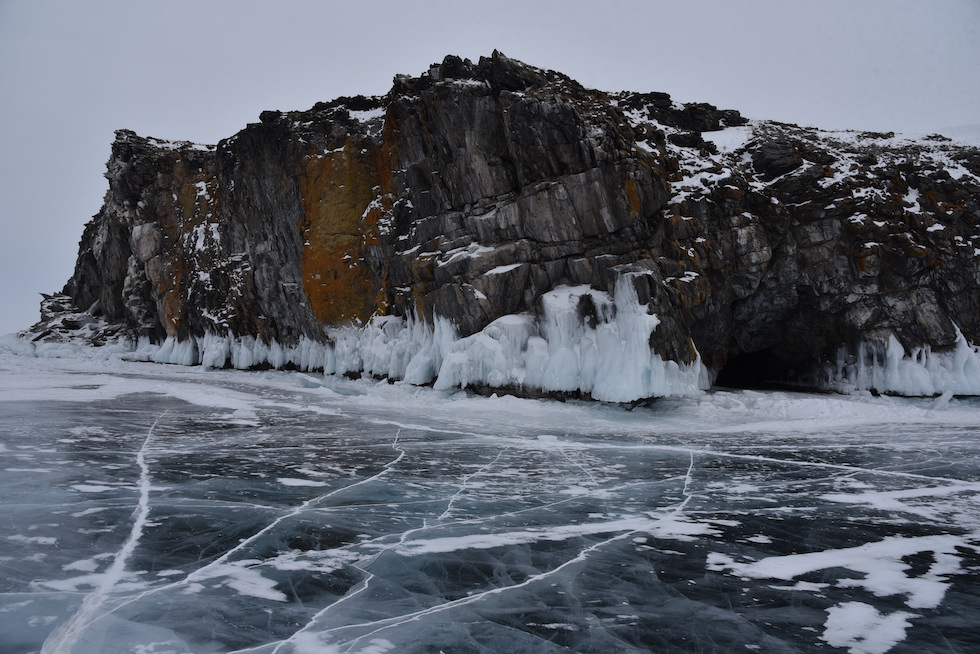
[687, 482]
[363, 564]
[768, 459]
[396, 621]
[308, 504]
[361, 586]
[464, 481]
[63, 639]
[580, 467]
[203, 573]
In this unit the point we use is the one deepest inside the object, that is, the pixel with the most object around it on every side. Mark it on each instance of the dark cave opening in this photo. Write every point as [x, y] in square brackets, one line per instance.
[756, 371]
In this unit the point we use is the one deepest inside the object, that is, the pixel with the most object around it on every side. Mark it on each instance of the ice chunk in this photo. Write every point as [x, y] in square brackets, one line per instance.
[919, 373]
[241, 352]
[563, 350]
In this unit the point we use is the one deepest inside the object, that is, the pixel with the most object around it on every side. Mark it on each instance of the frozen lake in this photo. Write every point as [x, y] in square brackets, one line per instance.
[153, 509]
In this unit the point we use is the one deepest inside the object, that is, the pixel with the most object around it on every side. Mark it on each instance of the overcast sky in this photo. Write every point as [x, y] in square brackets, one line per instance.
[72, 72]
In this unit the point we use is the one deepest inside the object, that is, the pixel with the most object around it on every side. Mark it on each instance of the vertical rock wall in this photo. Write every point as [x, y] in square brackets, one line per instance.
[473, 191]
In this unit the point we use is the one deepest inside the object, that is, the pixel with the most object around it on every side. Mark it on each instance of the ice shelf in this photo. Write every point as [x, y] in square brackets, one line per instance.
[603, 353]
[608, 358]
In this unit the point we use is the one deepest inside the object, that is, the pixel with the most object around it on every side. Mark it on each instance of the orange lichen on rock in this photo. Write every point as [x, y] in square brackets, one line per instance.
[338, 190]
[633, 197]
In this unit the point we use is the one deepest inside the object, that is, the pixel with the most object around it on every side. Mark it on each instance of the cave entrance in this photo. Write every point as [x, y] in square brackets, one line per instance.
[761, 371]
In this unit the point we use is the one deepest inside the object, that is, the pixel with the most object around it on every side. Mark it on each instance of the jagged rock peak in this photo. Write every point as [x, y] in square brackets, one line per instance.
[498, 72]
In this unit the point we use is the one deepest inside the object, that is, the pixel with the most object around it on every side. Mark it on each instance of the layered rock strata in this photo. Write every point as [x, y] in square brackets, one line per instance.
[498, 225]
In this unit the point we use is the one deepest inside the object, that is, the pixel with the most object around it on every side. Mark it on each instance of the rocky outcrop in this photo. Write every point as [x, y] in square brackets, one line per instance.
[498, 225]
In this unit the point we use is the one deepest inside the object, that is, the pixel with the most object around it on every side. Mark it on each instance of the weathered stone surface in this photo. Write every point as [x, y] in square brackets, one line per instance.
[471, 191]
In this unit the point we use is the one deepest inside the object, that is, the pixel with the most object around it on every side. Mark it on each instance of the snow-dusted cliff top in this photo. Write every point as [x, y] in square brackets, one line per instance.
[495, 225]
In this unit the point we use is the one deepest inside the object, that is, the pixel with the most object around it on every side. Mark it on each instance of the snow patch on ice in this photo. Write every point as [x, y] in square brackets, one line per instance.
[242, 576]
[900, 501]
[671, 526]
[292, 481]
[33, 540]
[92, 488]
[885, 573]
[863, 630]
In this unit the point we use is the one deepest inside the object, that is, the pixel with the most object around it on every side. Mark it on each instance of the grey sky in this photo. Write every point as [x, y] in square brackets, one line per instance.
[72, 72]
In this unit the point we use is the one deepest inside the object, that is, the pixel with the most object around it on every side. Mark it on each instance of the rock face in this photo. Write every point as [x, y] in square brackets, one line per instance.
[498, 225]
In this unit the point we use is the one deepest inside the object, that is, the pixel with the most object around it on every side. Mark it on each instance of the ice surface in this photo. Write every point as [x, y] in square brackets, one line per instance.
[153, 509]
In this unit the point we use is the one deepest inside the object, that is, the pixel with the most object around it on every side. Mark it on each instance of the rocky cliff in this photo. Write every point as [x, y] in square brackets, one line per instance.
[500, 226]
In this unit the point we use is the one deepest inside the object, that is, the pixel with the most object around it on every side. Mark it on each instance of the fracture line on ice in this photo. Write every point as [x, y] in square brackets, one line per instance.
[361, 587]
[403, 536]
[580, 467]
[203, 573]
[364, 583]
[363, 564]
[63, 639]
[768, 459]
[396, 621]
[462, 486]
[403, 619]
[839, 466]
[687, 483]
[423, 428]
